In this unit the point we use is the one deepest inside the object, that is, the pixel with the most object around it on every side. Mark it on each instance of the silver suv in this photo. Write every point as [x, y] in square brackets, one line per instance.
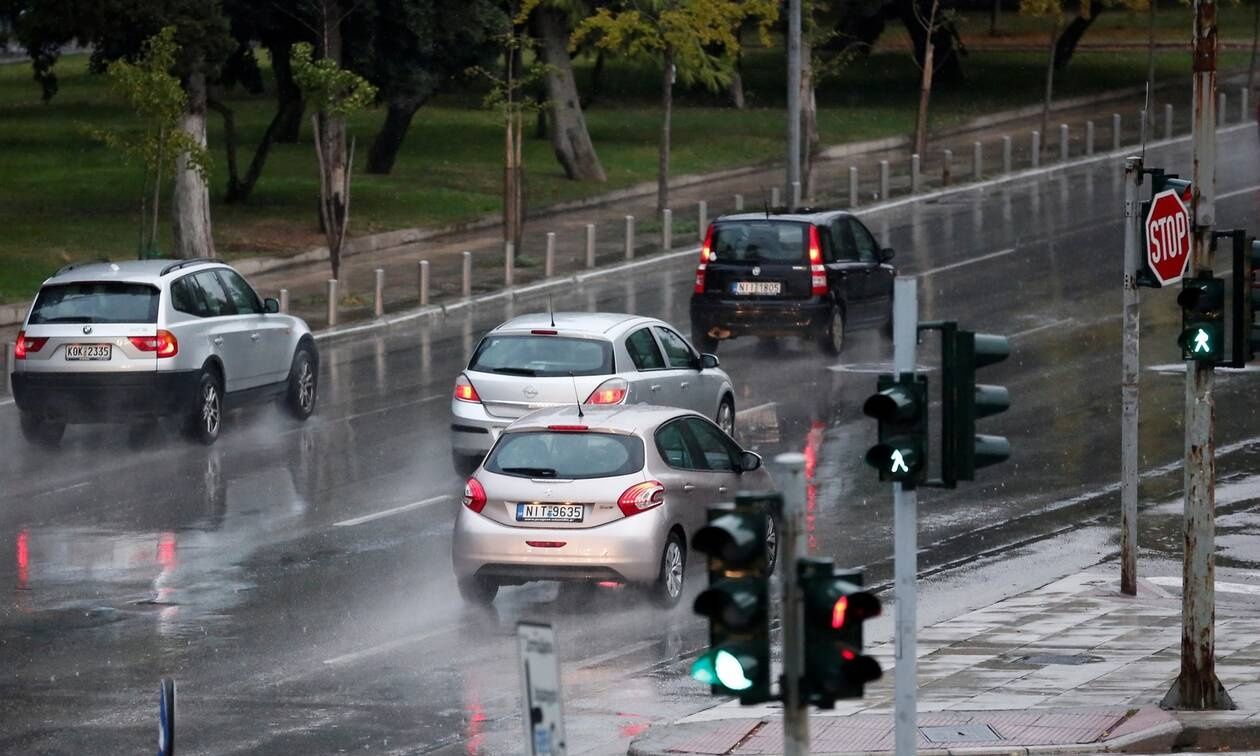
[151, 338]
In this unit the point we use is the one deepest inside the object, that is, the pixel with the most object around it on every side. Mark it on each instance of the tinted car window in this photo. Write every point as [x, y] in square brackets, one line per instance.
[842, 238]
[186, 297]
[671, 442]
[644, 352]
[759, 241]
[713, 444]
[243, 296]
[96, 302]
[676, 349]
[867, 249]
[547, 454]
[543, 356]
[216, 299]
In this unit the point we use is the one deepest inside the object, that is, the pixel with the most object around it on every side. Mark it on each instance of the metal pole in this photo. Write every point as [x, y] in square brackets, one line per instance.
[739, 203]
[883, 179]
[1131, 331]
[853, 186]
[629, 237]
[549, 259]
[284, 300]
[1168, 120]
[1196, 686]
[948, 161]
[1115, 132]
[667, 229]
[466, 285]
[1036, 148]
[702, 219]
[905, 523]
[774, 196]
[1063, 142]
[590, 245]
[378, 294]
[794, 95]
[332, 302]
[1222, 110]
[914, 174]
[424, 282]
[1089, 137]
[794, 546]
[977, 160]
[509, 264]
[1006, 154]
[796, 194]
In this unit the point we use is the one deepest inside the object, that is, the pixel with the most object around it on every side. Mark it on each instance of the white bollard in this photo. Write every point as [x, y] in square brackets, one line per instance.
[1006, 154]
[422, 283]
[378, 295]
[1147, 122]
[509, 264]
[1168, 120]
[947, 167]
[796, 194]
[702, 218]
[883, 179]
[1222, 110]
[1115, 132]
[1063, 142]
[667, 229]
[284, 300]
[977, 160]
[465, 288]
[853, 186]
[629, 237]
[1036, 148]
[1242, 98]
[590, 245]
[549, 260]
[332, 302]
[1089, 137]
[739, 203]
[774, 196]
[914, 174]
[6, 365]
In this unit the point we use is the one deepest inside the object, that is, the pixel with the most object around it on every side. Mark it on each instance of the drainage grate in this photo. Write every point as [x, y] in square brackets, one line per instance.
[969, 733]
[1068, 659]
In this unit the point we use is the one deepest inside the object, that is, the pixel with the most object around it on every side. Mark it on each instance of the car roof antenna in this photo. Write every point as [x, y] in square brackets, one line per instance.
[577, 399]
[551, 311]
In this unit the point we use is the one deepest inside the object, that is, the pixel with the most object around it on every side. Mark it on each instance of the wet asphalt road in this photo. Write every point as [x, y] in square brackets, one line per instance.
[295, 579]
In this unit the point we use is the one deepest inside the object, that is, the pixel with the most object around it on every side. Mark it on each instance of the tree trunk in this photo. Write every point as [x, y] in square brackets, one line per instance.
[736, 88]
[389, 139]
[994, 13]
[290, 106]
[569, 136]
[1045, 105]
[190, 206]
[809, 115]
[925, 95]
[332, 148]
[239, 189]
[1073, 32]
[947, 64]
[597, 80]
[667, 106]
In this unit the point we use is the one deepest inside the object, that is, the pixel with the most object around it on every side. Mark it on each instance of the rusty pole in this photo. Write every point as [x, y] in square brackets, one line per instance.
[1196, 686]
[1132, 329]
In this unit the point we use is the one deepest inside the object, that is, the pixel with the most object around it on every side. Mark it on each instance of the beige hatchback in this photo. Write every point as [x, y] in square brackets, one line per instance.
[597, 494]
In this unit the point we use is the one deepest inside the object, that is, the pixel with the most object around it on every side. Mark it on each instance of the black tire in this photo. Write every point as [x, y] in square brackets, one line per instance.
[205, 416]
[477, 590]
[726, 416]
[465, 464]
[303, 389]
[703, 342]
[831, 337]
[672, 580]
[36, 430]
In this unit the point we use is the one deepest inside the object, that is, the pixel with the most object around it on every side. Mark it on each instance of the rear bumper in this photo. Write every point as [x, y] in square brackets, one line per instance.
[737, 317]
[473, 430]
[99, 397]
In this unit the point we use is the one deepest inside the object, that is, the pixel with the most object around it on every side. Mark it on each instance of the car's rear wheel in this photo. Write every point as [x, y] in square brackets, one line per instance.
[703, 342]
[37, 430]
[303, 384]
[668, 588]
[831, 338]
[477, 590]
[205, 418]
[726, 416]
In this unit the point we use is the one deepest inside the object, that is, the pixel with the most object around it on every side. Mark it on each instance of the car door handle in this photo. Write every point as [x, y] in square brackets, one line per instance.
[217, 341]
[688, 488]
[655, 387]
[254, 337]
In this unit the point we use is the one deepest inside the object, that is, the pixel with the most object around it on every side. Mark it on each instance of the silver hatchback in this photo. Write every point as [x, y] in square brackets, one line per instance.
[150, 338]
[598, 359]
[598, 494]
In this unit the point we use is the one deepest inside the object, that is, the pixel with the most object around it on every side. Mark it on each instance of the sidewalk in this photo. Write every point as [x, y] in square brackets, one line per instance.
[1072, 667]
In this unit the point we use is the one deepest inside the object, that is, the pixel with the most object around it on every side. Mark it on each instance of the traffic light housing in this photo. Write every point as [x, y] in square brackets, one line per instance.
[963, 401]
[835, 606]
[1202, 301]
[900, 405]
[1160, 182]
[1246, 298]
[737, 601]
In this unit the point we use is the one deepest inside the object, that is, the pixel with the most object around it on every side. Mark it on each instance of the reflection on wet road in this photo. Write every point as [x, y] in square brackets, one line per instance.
[295, 579]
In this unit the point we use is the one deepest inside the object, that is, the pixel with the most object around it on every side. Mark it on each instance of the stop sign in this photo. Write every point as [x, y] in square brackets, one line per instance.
[1167, 237]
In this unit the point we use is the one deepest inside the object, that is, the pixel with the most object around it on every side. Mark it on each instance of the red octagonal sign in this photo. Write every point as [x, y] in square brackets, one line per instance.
[1167, 237]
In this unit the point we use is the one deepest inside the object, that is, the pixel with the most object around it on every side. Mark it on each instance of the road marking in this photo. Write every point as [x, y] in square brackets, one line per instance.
[391, 512]
[388, 646]
[961, 263]
[387, 408]
[1175, 582]
[758, 408]
[1237, 192]
[1046, 326]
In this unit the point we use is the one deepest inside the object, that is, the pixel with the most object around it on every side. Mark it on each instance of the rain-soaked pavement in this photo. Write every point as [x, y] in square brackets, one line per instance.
[295, 579]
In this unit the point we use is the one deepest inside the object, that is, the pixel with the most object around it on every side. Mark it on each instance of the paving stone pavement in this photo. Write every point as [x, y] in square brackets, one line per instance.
[1073, 666]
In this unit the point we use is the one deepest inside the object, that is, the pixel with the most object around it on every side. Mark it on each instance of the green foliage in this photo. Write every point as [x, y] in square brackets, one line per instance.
[1056, 9]
[517, 93]
[330, 88]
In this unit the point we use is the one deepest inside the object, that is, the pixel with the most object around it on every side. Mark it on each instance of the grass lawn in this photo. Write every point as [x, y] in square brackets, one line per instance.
[66, 197]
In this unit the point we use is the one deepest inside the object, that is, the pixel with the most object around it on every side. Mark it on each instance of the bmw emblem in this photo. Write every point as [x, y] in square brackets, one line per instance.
[87, 329]
[756, 271]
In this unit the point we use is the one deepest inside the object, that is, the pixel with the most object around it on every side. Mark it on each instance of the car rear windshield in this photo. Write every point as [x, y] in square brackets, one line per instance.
[757, 241]
[566, 454]
[542, 356]
[95, 302]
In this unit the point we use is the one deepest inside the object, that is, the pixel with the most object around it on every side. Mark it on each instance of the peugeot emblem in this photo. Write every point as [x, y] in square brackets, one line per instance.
[87, 329]
[530, 392]
[756, 270]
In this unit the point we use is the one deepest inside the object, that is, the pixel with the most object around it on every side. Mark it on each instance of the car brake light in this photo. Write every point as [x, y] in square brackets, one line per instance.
[545, 544]
[641, 497]
[544, 332]
[163, 343]
[474, 495]
[568, 428]
[26, 344]
[817, 273]
[704, 259]
[612, 391]
[464, 390]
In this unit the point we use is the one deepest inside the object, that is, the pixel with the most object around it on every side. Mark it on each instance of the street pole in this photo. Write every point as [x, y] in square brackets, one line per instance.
[905, 524]
[1196, 686]
[1132, 333]
[794, 546]
[794, 95]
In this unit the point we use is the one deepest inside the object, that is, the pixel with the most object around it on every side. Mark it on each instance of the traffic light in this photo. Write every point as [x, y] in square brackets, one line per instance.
[1202, 301]
[1246, 298]
[835, 608]
[902, 410]
[964, 401]
[1160, 182]
[737, 601]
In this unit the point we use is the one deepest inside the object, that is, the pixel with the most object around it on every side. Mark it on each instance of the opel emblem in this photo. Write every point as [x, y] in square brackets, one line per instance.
[756, 270]
[530, 392]
[87, 329]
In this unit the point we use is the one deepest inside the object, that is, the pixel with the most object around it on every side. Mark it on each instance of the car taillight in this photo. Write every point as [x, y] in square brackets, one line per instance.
[26, 344]
[464, 390]
[641, 497]
[163, 343]
[817, 273]
[568, 428]
[612, 391]
[704, 259]
[474, 495]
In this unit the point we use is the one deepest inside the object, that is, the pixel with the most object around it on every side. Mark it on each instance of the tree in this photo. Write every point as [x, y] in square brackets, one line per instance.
[930, 23]
[160, 103]
[860, 23]
[678, 35]
[336, 93]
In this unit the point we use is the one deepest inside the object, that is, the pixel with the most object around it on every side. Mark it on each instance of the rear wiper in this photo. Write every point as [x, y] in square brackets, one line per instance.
[533, 472]
[515, 371]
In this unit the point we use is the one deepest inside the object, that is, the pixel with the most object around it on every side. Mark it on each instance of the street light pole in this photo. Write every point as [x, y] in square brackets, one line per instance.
[794, 97]
[905, 549]
[1132, 330]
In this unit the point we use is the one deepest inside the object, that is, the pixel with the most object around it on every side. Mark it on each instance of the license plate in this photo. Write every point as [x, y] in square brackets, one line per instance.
[549, 512]
[758, 287]
[88, 351]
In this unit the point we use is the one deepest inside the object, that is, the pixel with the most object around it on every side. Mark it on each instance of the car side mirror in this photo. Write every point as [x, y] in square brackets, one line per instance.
[708, 361]
[749, 461]
[886, 254]
[271, 305]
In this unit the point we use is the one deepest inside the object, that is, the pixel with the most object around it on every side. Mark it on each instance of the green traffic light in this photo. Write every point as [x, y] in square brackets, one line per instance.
[723, 668]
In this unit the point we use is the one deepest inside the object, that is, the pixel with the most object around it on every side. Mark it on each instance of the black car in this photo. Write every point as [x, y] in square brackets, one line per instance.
[811, 274]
